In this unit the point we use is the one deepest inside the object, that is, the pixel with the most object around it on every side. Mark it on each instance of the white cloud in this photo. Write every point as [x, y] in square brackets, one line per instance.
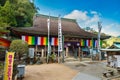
[112, 29]
[90, 19]
[79, 15]
[83, 17]
[93, 19]
[93, 12]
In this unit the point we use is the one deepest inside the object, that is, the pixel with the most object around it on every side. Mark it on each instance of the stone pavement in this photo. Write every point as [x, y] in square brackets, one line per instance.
[89, 70]
[83, 76]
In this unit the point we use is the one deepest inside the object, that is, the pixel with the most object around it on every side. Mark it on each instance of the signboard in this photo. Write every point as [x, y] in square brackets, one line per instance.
[8, 69]
[59, 35]
[31, 52]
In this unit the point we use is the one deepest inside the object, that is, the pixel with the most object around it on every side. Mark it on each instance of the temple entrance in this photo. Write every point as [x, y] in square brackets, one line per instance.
[73, 51]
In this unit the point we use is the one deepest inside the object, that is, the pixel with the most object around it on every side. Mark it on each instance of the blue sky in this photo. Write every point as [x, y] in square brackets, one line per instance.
[86, 12]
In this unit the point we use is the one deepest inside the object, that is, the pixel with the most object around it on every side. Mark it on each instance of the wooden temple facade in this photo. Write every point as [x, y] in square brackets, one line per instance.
[74, 38]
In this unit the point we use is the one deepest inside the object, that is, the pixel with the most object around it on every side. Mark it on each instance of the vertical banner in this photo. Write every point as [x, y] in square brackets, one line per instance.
[8, 69]
[60, 45]
[91, 43]
[59, 35]
[82, 42]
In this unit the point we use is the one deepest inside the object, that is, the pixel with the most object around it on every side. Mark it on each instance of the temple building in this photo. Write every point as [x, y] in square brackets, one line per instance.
[74, 38]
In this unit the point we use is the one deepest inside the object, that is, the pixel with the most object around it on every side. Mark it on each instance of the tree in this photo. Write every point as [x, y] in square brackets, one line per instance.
[24, 11]
[16, 13]
[7, 15]
[2, 2]
[20, 47]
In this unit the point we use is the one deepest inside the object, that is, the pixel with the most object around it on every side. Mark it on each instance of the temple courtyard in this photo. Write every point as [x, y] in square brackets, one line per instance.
[71, 69]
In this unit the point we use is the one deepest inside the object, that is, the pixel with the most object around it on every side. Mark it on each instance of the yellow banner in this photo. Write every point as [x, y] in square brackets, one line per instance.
[8, 70]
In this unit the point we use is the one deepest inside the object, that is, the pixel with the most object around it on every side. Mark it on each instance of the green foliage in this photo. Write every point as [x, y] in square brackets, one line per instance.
[24, 11]
[19, 47]
[1, 68]
[2, 2]
[16, 13]
[104, 44]
[7, 15]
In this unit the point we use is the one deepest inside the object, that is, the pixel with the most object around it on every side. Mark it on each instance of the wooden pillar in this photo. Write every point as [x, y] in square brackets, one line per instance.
[67, 51]
[36, 49]
[42, 53]
[45, 52]
[80, 53]
[53, 49]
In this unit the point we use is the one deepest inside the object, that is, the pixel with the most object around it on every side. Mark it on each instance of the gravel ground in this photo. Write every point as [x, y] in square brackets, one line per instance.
[49, 72]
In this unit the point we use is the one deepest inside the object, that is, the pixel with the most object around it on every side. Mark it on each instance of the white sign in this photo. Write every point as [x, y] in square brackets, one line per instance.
[118, 60]
[31, 52]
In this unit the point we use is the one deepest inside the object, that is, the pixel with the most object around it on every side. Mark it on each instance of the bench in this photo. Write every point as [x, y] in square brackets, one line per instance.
[111, 72]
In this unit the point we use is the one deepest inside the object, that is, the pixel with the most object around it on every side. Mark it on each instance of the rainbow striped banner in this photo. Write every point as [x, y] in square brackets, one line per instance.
[91, 43]
[82, 42]
[43, 41]
[96, 43]
[54, 41]
[87, 42]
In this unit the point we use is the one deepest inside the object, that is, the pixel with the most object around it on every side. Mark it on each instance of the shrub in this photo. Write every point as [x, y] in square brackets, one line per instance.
[20, 47]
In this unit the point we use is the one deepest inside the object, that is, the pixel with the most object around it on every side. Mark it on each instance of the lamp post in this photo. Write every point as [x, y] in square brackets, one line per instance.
[99, 31]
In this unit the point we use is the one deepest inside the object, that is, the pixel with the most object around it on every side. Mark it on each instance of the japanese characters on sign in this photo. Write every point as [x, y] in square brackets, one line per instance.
[8, 70]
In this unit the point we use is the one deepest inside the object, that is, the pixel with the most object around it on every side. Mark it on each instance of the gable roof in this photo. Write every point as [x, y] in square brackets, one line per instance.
[70, 27]
[116, 45]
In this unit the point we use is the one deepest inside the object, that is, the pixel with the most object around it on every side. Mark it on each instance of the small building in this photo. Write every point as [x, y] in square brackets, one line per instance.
[3, 41]
[4, 44]
[113, 54]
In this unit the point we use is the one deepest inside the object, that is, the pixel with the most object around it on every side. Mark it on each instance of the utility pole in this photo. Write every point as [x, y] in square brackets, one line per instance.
[99, 32]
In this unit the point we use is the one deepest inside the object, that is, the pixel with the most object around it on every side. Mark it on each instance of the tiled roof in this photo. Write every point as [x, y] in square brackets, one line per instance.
[69, 28]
